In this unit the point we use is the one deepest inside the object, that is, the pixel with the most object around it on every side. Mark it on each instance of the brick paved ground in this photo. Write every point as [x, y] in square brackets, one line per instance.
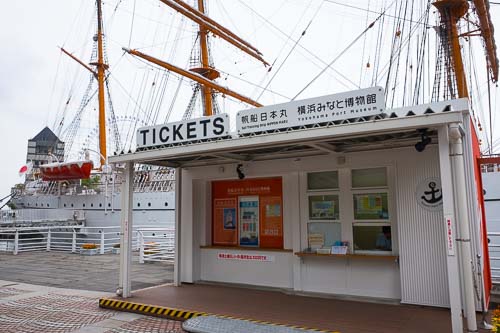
[35, 309]
[75, 271]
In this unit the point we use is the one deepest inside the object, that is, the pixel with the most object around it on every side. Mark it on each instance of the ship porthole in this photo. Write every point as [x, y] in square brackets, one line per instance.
[100, 205]
[166, 204]
[138, 204]
[149, 204]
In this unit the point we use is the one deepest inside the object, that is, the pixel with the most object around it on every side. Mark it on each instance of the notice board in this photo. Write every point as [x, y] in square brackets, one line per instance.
[248, 212]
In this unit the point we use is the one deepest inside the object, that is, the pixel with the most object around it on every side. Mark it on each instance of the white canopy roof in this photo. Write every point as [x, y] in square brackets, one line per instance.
[392, 129]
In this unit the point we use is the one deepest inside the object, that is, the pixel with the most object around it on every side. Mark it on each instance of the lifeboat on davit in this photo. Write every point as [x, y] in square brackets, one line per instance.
[66, 170]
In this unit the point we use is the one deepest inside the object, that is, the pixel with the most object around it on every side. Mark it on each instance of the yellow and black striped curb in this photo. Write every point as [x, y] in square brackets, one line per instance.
[151, 310]
[177, 314]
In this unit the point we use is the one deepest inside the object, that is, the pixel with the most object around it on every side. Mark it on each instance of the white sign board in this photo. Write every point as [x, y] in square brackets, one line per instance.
[449, 235]
[429, 194]
[245, 257]
[183, 131]
[352, 104]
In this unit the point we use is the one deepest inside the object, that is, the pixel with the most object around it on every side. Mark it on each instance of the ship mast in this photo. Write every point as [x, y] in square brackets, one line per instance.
[101, 68]
[451, 11]
[206, 74]
[206, 70]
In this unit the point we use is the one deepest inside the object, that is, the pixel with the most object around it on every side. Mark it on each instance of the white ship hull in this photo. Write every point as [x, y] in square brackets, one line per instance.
[150, 208]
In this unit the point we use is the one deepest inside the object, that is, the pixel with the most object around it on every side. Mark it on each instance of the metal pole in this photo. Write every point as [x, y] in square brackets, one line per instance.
[449, 217]
[460, 191]
[16, 242]
[73, 242]
[178, 220]
[140, 238]
[125, 284]
[49, 236]
[102, 242]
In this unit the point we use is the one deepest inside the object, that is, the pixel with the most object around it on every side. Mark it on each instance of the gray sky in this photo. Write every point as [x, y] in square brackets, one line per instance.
[30, 95]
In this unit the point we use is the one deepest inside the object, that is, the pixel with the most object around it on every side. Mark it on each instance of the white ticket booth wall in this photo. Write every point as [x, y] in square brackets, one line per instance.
[351, 198]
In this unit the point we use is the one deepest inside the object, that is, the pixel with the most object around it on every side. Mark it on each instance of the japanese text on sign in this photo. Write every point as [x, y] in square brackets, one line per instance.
[360, 103]
[246, 257]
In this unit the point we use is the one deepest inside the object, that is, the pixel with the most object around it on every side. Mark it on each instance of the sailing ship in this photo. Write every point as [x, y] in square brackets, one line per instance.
[419, 51]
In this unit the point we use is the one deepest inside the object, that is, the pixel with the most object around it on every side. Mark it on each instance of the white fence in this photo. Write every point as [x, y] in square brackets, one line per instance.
[494, 250]
[41, 215]
[153, 243]
[156, 244]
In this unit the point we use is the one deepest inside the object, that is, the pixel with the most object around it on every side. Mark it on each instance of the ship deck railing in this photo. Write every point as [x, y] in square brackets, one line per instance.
[152, 242]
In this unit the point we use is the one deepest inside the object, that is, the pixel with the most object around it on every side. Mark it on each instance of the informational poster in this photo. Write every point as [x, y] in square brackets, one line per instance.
[249, 221]
[225, 220]
[248, 212]
[271, 221]
[369, 204]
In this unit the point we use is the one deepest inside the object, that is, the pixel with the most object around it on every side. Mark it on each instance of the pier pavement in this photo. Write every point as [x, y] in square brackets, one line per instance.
[75, 271]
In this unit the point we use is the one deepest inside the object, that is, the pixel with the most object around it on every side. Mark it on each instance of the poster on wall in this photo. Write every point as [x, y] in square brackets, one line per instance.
[249, 221]
[271, 222]
[370, 204]
[261, 210]
[225, 231]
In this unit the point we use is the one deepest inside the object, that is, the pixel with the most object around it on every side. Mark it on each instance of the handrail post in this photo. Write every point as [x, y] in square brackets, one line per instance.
[102, 241]
[16, 242]
[73, 242]
[140, 237]
[49, 236]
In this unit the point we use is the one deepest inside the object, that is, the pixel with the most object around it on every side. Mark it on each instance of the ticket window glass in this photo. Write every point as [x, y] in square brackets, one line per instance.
[323, 224]
[370, 202]
[248, 213]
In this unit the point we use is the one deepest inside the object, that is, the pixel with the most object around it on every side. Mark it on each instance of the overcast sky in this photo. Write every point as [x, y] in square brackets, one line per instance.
[31, 31]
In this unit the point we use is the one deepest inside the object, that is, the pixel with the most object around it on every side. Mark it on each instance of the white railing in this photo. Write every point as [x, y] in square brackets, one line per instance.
[156, 244]
[41, 215]
[153, 243]
[494, 251]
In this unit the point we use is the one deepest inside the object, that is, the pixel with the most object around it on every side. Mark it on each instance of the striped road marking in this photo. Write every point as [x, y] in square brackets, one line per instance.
[181, 315]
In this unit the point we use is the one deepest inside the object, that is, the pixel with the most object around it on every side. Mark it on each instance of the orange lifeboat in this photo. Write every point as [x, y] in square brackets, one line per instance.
[66, 171]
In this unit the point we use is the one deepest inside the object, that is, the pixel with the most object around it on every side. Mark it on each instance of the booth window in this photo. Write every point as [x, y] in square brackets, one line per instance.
[323, 225]
[370, 198]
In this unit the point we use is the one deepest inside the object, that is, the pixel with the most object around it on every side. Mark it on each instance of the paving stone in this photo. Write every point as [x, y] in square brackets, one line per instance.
[60, 269]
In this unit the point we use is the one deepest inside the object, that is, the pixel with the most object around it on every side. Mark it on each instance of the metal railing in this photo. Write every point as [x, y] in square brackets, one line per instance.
[494, 250]
[153, 243]
[156, 244]
[41, 215]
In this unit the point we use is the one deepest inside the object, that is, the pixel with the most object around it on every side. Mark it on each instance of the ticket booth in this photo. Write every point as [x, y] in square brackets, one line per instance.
[350, 199]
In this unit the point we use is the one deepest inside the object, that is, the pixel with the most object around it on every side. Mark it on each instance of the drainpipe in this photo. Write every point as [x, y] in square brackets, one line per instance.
[463, 238]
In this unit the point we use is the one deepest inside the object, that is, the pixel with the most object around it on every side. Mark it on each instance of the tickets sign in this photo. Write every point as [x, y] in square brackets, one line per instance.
[352, 104]
[183, 131]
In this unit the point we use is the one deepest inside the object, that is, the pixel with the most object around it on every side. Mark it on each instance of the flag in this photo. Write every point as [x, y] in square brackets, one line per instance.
[25, 169]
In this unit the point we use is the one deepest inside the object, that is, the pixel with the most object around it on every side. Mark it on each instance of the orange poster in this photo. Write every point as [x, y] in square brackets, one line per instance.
[271, 226]
[226, 194]
[224, 221]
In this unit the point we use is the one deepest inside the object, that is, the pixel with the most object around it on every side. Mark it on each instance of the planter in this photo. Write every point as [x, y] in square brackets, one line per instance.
[88, 252]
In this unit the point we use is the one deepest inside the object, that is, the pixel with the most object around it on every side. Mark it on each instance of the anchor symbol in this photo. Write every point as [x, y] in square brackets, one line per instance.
[432, 192]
